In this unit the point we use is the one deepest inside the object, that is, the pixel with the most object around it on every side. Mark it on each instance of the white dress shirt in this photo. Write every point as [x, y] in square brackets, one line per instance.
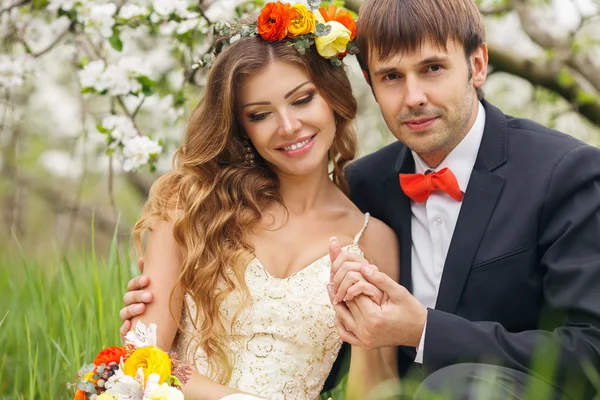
[433, 221]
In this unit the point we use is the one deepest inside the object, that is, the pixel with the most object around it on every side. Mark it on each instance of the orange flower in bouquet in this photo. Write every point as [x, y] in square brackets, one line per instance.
[110, 354]
[274, 20]
[138, 370]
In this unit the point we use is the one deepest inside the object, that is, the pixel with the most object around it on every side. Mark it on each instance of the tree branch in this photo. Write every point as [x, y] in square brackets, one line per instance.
[540, 74]
[103, 222]
[56, 41]
[14, 5]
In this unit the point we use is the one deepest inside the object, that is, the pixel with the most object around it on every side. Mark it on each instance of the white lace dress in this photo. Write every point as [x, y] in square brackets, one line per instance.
[285, 342]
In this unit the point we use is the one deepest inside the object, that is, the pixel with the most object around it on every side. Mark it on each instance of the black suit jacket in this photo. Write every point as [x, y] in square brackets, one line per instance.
[522, 274]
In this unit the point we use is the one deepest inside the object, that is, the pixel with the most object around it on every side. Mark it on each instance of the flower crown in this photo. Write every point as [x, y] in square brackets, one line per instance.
[332, 30]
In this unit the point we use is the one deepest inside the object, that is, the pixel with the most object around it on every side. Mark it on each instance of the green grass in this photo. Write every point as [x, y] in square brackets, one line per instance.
[54, 317]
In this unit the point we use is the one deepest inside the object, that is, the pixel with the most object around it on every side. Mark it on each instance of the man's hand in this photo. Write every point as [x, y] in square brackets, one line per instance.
[135, 299]
[398, 321]
[345, 273]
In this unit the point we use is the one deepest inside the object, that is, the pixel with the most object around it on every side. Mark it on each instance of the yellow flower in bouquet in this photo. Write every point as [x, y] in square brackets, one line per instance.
[105, 396]
[152, 360]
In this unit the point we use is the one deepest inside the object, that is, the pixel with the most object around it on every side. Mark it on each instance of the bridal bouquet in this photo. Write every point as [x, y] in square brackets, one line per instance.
[136, 371]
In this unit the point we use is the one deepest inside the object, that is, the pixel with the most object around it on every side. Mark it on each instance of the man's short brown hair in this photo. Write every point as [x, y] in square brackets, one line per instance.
[390, 27]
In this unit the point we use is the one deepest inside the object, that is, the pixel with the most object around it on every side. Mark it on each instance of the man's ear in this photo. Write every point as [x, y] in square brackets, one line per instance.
[479, 65]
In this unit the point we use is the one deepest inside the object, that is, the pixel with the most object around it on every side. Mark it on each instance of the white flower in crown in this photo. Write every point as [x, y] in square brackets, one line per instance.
[137, 152]
[142, 335]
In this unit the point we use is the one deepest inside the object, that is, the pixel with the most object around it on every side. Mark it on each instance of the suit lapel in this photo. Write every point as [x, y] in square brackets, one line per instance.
[478, 205]
[399, 212]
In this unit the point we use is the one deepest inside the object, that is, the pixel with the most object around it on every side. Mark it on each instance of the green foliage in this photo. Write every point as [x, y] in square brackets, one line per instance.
[115, 40]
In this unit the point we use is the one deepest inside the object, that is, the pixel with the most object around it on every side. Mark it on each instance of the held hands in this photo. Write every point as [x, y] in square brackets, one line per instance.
[398, 320]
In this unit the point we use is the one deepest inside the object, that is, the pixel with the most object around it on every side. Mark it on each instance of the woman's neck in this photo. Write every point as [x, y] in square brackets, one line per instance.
[303, 193]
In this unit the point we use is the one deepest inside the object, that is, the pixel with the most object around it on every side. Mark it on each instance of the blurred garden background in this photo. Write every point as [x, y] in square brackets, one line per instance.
[94, 96]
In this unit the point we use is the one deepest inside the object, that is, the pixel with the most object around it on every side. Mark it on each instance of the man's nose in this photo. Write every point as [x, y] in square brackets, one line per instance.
[415, 94]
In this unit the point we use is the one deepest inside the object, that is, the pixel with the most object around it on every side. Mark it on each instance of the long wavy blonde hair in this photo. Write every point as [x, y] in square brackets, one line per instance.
[218, 199]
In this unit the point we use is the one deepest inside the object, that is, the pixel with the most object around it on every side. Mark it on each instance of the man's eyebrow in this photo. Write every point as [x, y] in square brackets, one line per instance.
[434, 59]
[426, 61]
[385, 71]
[291, 92]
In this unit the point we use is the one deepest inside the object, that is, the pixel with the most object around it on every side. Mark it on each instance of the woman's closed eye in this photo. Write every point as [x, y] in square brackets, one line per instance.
[258, 117]
[304, 100]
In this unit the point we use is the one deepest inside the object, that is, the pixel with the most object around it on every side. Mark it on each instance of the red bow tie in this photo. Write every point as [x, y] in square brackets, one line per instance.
[419, 186]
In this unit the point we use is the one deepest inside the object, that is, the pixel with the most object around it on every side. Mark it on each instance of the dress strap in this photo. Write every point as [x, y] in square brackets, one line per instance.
[359, 234]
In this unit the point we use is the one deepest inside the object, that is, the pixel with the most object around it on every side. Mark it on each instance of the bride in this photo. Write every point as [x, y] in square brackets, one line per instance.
[238, 232]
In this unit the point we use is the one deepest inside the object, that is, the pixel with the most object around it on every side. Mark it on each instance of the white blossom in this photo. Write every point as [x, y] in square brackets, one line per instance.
[66, 5]
[129, 11]
[137, 152]
[164, 106]
[154, 18]
[101, 18]
[121, 127]
[235, 38]
[92, 76]
[135, 66]
[13, 70]
[119, 81]
[142, 335]
[125, 386]
[187, 25]
[167, 28]
[168, 7]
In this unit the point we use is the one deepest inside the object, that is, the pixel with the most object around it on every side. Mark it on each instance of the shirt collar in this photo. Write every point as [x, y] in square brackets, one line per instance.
[462, 158]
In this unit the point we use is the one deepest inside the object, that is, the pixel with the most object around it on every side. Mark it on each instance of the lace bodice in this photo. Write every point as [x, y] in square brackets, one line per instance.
[285, 342]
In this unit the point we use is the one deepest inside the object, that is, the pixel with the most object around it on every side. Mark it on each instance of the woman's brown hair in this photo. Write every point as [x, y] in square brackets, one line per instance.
[217, 198]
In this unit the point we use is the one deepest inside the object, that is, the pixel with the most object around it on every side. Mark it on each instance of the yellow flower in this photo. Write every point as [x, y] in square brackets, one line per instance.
[303, 21]
[334, 43]
[105, 396]
[89, 376]
[152, 360]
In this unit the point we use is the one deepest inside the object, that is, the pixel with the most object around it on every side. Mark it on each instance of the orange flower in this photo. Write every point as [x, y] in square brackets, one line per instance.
[109, 354]
[342, 16]
[80, 395]
[274, 20]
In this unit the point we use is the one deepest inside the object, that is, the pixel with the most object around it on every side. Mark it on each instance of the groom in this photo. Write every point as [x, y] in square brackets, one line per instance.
[498, 220]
